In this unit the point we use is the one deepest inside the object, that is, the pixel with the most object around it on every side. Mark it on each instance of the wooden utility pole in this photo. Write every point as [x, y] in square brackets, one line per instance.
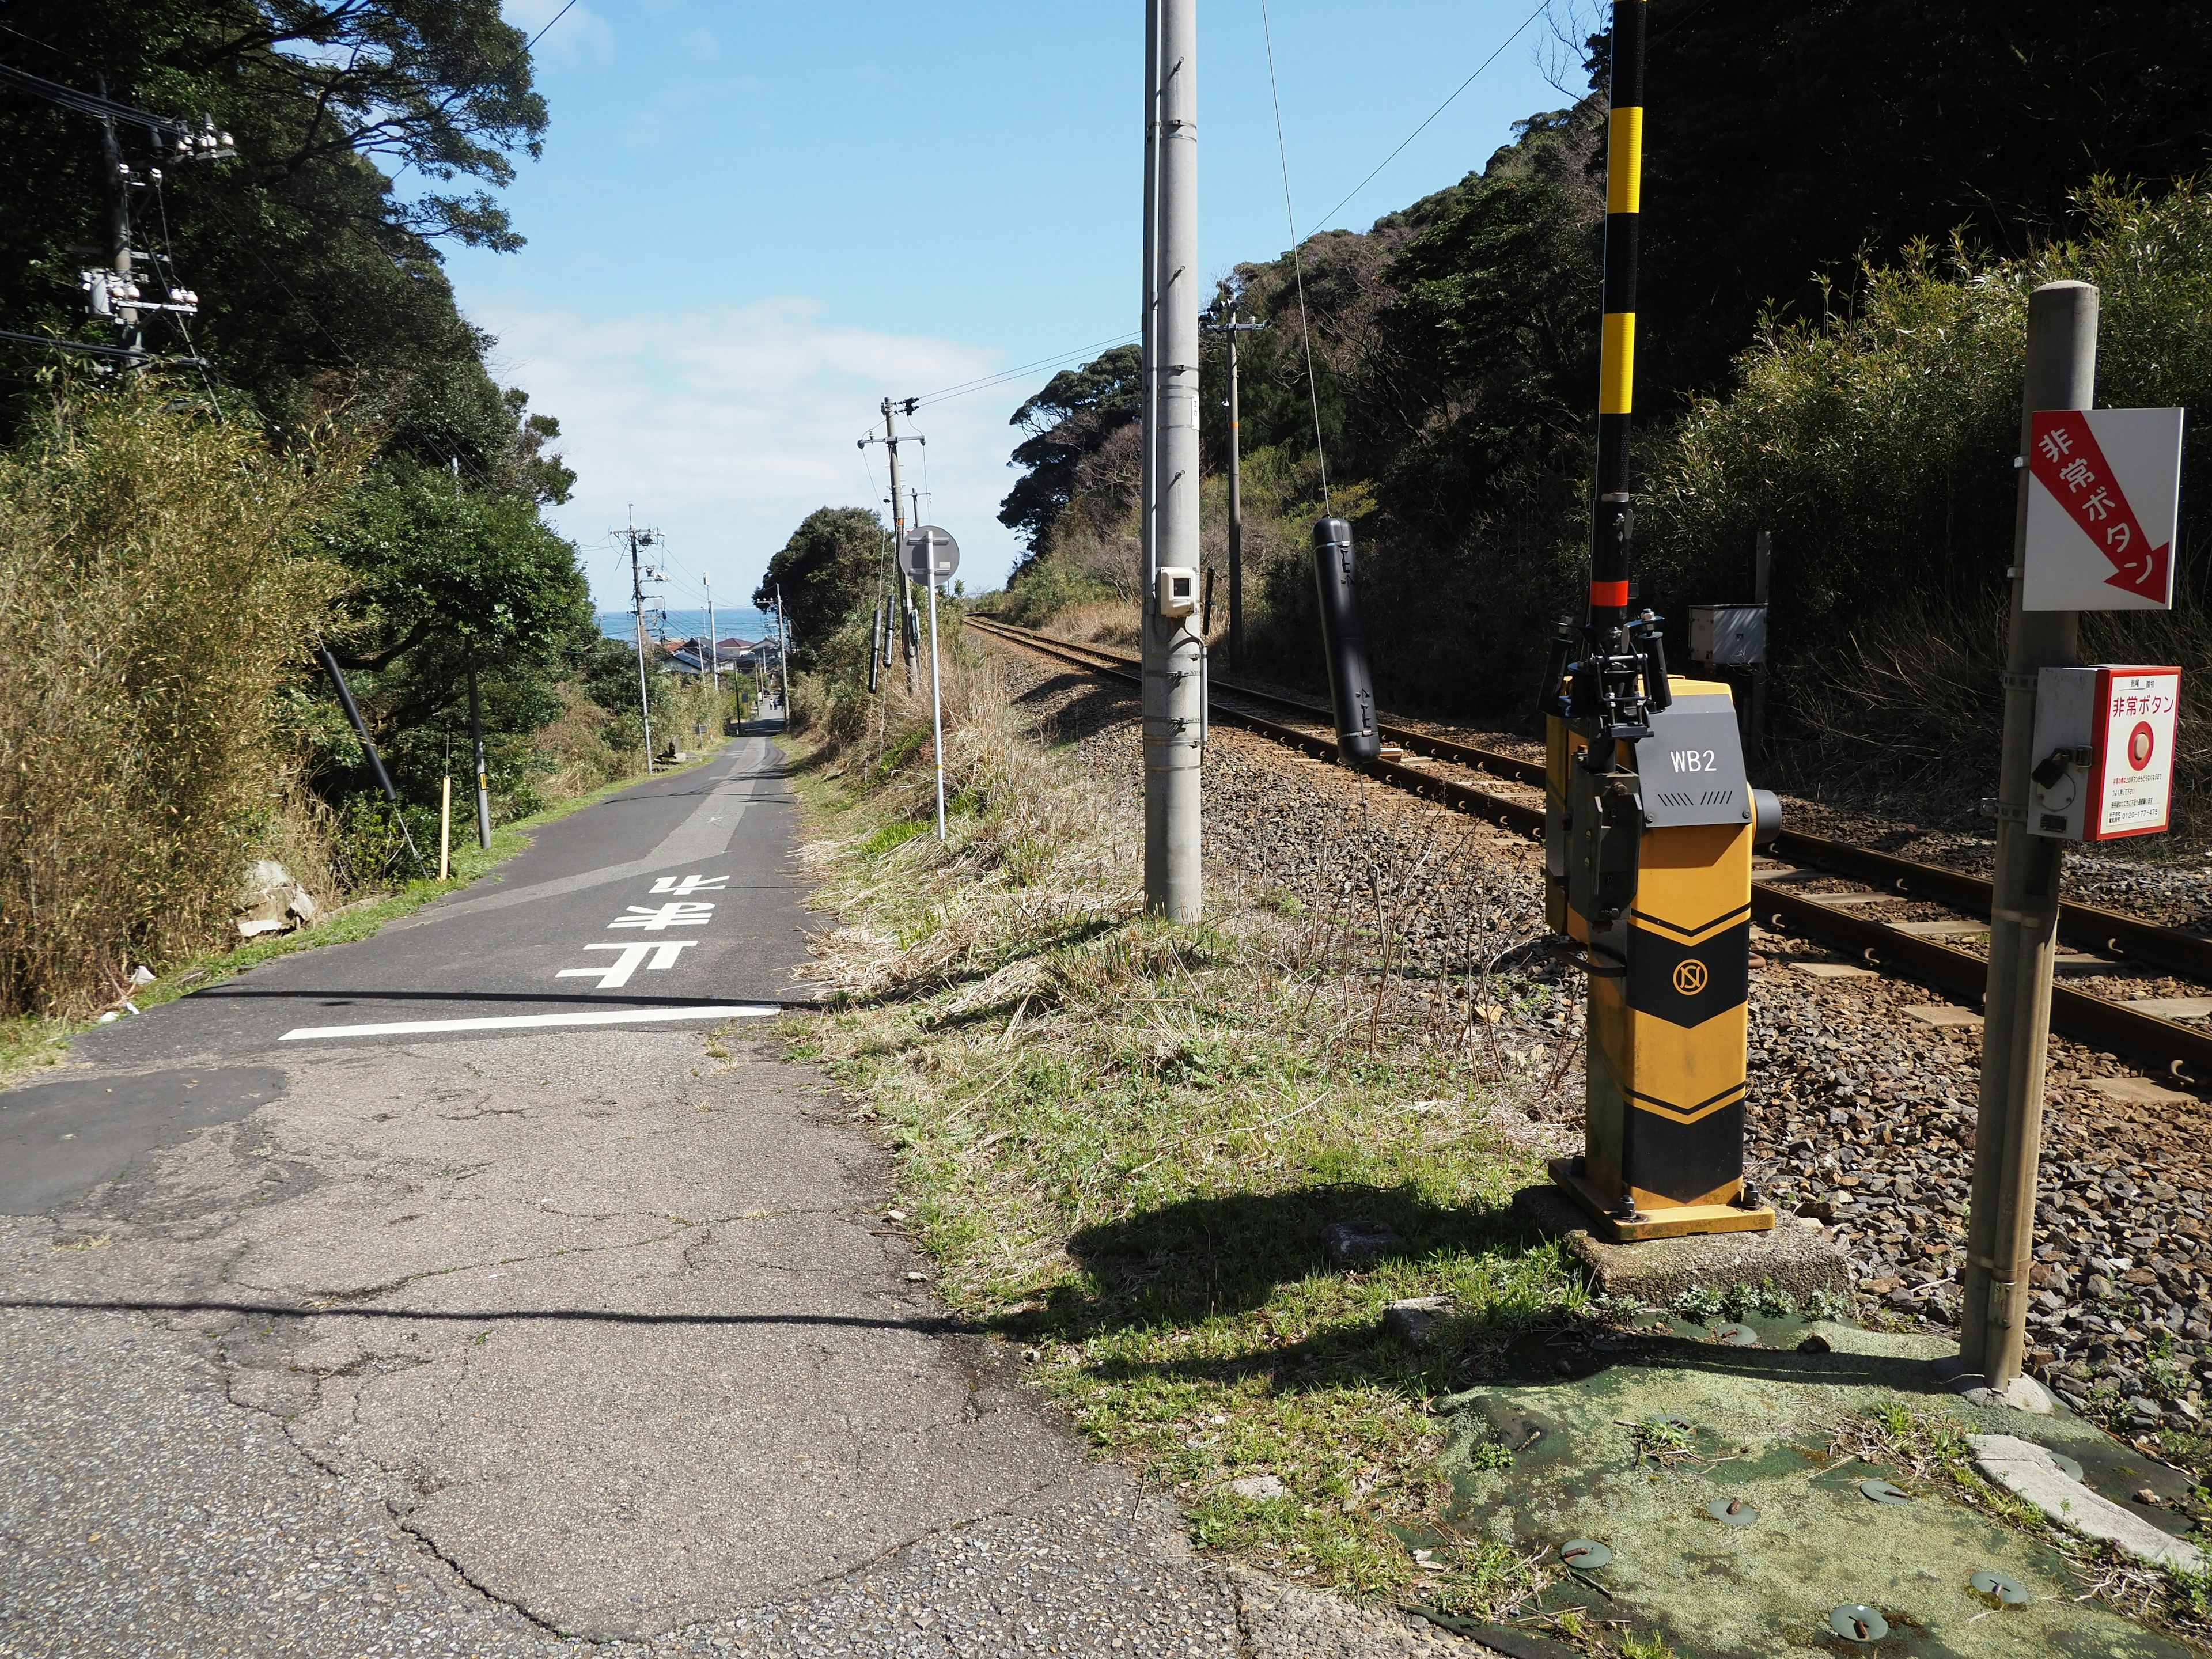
[2062, 374]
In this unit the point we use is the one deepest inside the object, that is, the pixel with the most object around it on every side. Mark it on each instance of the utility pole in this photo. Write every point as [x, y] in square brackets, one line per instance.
[2062, 374]
[714, 649]
[1174, 650]
[1229, 330]
[132, 335]
[909, 631]
[638, 573]
[783, 654]
[475, 736]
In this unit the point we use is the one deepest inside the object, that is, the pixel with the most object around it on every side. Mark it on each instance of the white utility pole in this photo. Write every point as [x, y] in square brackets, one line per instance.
[640, 538]
[1174, 648]
[714, 650]
[891, 441]
[783, 653]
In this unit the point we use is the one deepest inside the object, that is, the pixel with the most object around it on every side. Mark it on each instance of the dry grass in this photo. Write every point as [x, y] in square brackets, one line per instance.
[156, 595]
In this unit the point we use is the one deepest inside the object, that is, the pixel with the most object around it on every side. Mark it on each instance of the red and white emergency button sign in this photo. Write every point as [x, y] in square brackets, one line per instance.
[2101, 509]
[2131, 793]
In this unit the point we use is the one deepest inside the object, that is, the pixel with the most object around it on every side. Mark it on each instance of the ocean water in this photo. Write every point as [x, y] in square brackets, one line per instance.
[733, 622]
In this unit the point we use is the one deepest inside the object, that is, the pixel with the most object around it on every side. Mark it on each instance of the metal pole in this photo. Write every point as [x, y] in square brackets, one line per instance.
[2062, 374]
[936, 696]
[1148, 326]
[118, 227]
[1762, 581]
[484, 777]
[445, 826]
[1236, 514]
[1175, 655]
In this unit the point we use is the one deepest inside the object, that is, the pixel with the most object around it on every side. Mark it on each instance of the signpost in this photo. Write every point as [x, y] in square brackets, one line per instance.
[2102, 510]
[929, 555]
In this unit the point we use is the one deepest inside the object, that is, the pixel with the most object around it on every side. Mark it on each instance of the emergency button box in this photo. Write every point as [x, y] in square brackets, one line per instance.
[2103, 752]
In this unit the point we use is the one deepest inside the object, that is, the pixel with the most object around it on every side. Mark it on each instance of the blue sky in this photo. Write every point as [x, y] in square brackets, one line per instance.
[752, 222]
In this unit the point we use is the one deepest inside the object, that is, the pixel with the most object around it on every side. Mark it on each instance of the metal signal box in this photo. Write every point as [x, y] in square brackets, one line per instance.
[1178, 590]
[1647, 869]
[2103, 752]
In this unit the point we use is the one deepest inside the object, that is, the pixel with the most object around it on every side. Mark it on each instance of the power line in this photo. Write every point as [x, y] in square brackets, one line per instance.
[1439, 109]
[1297, 265]
[964, 388]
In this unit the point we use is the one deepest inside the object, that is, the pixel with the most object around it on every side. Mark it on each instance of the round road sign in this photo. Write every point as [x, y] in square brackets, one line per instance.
[929, 551]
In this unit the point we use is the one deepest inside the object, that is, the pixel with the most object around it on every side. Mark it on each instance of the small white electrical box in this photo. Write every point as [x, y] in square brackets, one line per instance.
[2103, 752]
[1728, 635]
[1178, 590]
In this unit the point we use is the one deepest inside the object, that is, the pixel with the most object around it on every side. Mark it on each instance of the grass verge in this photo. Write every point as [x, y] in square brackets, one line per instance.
[28, 1044]
[1121, 1142]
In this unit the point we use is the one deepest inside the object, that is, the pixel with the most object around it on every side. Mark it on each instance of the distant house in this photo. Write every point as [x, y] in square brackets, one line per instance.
[690, 656]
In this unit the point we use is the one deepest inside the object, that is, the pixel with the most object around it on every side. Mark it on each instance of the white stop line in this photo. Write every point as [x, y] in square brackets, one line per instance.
[534, 1022]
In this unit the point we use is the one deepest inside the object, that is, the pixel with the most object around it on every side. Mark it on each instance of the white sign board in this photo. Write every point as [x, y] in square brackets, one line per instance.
[2103, 752]
[2131, 785]
[2102, 509]
[929, 551]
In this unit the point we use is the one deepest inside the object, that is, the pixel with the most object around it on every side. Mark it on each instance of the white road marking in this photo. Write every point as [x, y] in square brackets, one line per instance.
[691, 884]
[533, 1022]
[701, 838]
[616, 974]
[677, 913]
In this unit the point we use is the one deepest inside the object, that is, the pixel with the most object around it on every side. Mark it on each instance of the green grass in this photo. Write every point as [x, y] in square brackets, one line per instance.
[1119, 1140]
[28, 1043]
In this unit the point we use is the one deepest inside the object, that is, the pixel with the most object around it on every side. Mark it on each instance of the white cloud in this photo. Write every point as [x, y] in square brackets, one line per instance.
[701, 44]
[726, 426]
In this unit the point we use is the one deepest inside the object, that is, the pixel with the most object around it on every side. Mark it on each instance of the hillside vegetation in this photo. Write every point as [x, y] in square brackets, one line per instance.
[1844, 209]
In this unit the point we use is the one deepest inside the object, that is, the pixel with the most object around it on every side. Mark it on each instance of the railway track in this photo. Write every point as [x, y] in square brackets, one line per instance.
[2103, 939]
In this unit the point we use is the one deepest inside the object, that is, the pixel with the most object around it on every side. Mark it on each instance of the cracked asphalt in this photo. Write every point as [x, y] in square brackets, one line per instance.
[546, 1340]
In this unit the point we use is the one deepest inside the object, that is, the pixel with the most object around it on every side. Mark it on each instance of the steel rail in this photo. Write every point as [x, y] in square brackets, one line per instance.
[2184, 1052]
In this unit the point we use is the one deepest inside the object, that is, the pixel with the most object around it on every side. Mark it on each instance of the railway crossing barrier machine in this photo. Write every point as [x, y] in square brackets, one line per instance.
[1648, 825]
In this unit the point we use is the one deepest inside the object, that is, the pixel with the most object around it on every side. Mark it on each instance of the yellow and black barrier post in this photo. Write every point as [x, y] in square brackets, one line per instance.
[1650, 822]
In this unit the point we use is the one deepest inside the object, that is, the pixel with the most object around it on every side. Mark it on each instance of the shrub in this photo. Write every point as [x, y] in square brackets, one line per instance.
[155, 595]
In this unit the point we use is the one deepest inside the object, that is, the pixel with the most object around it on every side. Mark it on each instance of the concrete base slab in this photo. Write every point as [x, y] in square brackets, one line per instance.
[2028, 1471]
[2140, 1089]
[1794, 1257]
[2174, 1007]
[1943, 1013]
[1833, 971]
[1792, 1441]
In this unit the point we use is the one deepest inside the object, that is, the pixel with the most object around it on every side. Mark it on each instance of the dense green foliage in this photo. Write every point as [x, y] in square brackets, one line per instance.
[830, 568]
[1807, 364]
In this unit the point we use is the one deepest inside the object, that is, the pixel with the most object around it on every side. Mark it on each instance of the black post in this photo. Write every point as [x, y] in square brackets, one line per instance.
[360, 731]
[1344, 637]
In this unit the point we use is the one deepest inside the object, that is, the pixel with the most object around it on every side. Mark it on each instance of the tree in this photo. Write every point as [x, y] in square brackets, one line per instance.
[827, 570]
[1078, 410]
[318, 282]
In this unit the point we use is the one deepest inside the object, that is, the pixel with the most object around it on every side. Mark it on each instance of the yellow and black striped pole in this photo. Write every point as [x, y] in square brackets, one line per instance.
[1612, 523]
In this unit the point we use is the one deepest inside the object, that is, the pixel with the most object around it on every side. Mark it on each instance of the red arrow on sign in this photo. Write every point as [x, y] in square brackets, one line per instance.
[2064, 455]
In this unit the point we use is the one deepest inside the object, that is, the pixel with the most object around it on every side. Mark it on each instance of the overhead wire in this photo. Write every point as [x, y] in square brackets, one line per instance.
[1297, 265]
[1545, 6]
[962, 389]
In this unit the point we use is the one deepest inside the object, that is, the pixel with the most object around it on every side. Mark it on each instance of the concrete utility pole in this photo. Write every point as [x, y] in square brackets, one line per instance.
[783, 653]
[1174, 650]
[638, 538]
[1229, 330]
[909, 631]
[714, 648]
[2062, 374]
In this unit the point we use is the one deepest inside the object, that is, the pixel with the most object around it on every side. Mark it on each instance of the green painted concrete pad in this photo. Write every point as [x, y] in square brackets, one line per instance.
[1643, 1445]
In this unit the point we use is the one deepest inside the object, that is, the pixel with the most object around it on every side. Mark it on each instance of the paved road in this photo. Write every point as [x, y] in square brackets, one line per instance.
[673, 895]
[516, 1339]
